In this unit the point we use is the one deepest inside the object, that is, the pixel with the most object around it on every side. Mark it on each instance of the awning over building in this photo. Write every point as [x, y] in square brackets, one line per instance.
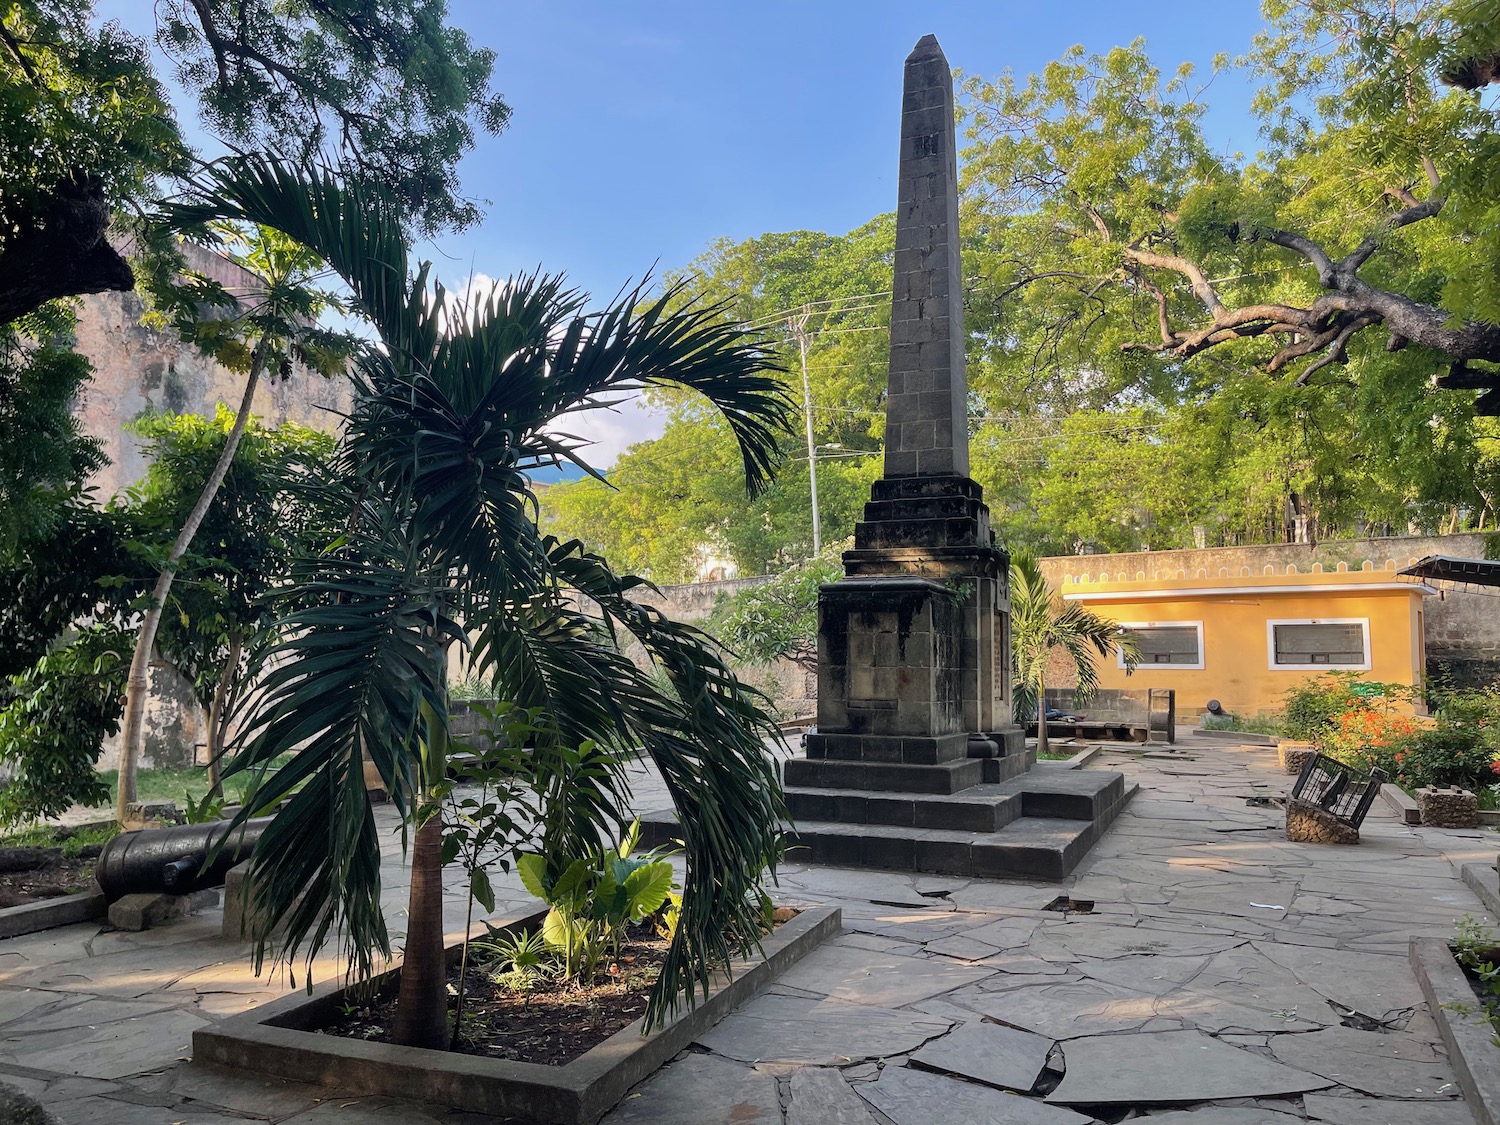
[1446, 568]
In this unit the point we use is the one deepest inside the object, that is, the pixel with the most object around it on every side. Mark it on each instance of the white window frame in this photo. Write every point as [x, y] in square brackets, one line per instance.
[1362, 622]
[1127, 625]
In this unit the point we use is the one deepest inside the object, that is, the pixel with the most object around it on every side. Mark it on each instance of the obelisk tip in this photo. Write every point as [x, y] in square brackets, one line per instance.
[926, 48]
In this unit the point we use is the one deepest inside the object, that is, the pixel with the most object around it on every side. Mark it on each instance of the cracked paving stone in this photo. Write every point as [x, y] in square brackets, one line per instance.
[1369, 1111]
[820, 1096]
[989, 1053]
[914, 1097]
[884, 980]
[1386, 1065]
[1366, 982]
[700, 1090]
[1062, 1011]
[111, 1050]
[1112, 940]
[1220, 1115]
[1170, 1066]
[826, 1032]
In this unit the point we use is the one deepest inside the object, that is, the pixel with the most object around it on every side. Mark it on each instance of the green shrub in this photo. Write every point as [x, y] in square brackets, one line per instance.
[1266, 722]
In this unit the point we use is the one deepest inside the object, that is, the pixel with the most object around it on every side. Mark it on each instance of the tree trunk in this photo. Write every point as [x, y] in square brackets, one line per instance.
[422, 1004]
[133, 727]
[216, 718]
[1041, 713]
[62, 252]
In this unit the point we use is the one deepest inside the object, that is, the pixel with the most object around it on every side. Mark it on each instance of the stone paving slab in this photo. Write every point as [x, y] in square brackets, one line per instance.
[699, 1090]
[1388, 1065]
[1172, 1066]
[912, 1097]
[1370, 1111]
[820, 1096]
[989, 1053]
[790, 1029]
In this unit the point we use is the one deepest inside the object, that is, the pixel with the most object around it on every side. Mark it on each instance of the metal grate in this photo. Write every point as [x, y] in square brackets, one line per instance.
[1338, 789]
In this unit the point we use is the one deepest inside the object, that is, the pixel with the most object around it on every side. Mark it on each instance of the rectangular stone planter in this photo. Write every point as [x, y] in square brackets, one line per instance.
[278, 1039]
[1467, 1034]
[51, 913]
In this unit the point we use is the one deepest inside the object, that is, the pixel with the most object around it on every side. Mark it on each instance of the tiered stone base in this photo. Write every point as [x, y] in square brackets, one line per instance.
[1034, 826]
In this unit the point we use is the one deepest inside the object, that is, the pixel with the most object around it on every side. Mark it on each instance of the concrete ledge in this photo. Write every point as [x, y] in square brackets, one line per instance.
[1402, 803]
[51, 913]
[1076, 762]
[275, 1039]
[1485, 883]
[1468, 1035]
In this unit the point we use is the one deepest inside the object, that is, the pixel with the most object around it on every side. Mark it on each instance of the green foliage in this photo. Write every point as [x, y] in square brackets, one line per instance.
[63, 708]
[1477, 951]
[1310, 709]
[594, 899]
[1462, 748]
[516, 962]
[1266, 722]
[72, 841]
[778, 619]
[1040, 622]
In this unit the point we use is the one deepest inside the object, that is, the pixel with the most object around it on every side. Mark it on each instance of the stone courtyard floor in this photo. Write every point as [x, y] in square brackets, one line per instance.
[1223, 977]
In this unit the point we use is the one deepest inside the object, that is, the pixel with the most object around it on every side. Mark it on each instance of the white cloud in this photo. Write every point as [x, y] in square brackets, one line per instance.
[612, 430]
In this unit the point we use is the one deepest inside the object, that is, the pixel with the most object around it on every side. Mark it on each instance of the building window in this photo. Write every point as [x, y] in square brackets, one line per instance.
[1178, 643]
[1341, 642]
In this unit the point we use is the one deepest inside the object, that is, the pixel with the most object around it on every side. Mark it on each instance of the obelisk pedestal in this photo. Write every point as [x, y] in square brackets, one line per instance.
[916, 762]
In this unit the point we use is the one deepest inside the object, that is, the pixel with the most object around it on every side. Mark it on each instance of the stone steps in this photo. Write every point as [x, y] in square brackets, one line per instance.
[978, 809]
[943, 777]
[1028, 847]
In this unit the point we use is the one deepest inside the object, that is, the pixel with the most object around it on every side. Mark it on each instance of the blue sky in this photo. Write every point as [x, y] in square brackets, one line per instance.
[642, 132]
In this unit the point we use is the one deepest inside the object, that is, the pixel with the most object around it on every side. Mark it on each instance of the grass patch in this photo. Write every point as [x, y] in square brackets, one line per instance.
[1264, 723]
[71, 840]
[1050, 756]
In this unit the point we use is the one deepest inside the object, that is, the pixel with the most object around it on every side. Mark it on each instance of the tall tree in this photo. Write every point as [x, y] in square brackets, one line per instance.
[454, 404]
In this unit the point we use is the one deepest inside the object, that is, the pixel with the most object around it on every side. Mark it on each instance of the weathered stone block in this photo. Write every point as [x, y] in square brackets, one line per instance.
[1293, 754]
[1308, 824]
[1448, 808]
[147, 911]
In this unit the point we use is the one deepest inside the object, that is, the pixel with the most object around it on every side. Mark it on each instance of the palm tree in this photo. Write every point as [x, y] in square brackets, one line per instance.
[1040, 622]
[453, 404]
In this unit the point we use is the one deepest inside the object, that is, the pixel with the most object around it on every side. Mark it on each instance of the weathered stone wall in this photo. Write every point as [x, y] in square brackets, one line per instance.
[1462, 627]
[138, 369]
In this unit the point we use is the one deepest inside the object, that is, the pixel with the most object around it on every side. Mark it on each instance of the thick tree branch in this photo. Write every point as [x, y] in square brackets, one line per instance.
[1201, 288]
[64, 254]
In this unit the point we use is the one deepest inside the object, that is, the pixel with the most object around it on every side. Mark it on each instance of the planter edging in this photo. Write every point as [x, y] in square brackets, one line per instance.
[272, 1040]
[49, 913]
[1482, 880]
[1469, 1038]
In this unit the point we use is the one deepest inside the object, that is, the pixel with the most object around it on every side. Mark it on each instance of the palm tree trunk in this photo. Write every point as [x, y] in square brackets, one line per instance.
[1041, 712]
[133, 727]
[216, 713]
[422, 1004]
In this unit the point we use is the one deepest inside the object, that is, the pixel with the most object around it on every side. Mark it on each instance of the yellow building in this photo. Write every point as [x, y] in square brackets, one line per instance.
[1244, 639]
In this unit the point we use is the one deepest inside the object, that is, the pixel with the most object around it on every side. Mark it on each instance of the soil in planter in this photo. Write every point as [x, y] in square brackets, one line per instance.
[551, 1023]
[34, 874]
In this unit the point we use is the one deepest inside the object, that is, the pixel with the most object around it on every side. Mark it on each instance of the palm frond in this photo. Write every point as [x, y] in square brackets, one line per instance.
[345, 681]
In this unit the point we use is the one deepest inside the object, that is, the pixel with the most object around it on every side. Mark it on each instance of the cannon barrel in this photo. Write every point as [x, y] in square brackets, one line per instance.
[171, 860]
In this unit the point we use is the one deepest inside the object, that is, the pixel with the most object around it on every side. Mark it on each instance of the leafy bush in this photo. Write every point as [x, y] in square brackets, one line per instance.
[594, 899]
[1476, 949]
[1461, 748]
[1369, 739]
[1312, 709]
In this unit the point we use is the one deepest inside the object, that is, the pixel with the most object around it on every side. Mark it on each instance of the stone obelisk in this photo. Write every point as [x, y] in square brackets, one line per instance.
[914, 642]
[916, 764]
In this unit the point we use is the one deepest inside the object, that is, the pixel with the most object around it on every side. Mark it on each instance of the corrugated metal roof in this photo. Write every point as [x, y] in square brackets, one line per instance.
[1447, 568]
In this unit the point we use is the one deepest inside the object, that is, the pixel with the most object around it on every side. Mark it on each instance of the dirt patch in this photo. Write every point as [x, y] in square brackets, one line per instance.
[34, 874]
[552, 1022]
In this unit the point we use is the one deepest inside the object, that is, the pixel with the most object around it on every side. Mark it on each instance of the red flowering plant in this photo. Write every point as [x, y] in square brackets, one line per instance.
[1367, 738]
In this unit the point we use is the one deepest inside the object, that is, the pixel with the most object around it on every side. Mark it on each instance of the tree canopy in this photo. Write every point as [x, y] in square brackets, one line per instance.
[1170, 345]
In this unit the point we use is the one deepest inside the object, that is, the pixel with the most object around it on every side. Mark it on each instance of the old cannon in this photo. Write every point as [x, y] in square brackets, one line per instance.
[174, 860]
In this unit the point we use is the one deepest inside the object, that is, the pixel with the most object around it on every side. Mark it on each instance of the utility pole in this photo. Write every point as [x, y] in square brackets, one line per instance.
[798, 325]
